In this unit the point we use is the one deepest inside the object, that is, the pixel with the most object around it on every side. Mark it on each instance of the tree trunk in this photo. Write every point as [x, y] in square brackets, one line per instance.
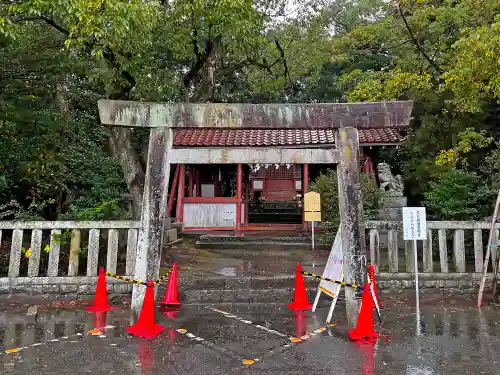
[120, 140]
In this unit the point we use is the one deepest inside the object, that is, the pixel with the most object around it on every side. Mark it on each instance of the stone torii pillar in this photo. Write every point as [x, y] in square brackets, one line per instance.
[162, 117]
[351, 218]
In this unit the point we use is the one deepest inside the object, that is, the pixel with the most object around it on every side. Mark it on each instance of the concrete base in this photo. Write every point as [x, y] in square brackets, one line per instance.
[240, 289]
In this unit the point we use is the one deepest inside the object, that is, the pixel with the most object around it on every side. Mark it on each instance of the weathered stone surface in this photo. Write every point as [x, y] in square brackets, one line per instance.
[131, 251]
[86, 289]
[154, 220]
[122, 288]
[274, 283]
[443, 251]
[50, 289]
[459, 250]
[254, 155]
[406, 284]
[171, 235]
[74, 252]
[36, 248]
[351, 217]
[32, 313]
[70, 288]
[234, 115]
[115, 224]
[373, 224]
[15, 252]
[238, 289]
[451, 284]
[93, 252]
[112, 253]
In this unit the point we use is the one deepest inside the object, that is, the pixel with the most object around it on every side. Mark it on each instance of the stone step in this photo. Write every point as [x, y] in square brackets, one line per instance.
[226, 238]
[257, 242]
[243, 295]
[257, 245]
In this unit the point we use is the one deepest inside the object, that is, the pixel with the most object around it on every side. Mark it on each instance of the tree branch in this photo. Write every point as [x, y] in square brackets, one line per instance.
[200, 59]
[110, 56]
[417, 43]
[283, 58]
[47, 20]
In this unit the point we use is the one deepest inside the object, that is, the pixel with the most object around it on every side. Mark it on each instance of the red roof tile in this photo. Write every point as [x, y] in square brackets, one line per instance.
[276, 137]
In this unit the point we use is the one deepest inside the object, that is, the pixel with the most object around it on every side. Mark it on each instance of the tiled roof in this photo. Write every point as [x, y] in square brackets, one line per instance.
[276, 137]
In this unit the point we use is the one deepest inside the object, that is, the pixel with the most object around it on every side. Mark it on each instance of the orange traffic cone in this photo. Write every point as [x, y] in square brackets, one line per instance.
[373, 280]
[172, 294]
[300, 301]
[146, 326]
[364, 327]
[101, 295]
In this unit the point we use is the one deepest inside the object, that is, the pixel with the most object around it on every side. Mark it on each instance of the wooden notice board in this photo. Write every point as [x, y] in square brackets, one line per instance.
[312, 206]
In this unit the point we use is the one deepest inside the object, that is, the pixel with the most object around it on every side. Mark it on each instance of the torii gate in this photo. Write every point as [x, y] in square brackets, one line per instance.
[163, 117]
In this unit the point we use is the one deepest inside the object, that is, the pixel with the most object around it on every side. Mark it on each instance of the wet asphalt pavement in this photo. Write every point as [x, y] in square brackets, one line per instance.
[455, 338]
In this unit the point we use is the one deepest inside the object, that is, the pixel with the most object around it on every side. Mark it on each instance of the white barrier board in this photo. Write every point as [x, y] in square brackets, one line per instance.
[334, 270]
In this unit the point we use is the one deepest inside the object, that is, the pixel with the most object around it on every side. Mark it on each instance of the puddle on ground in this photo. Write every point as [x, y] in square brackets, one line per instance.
[227, 271]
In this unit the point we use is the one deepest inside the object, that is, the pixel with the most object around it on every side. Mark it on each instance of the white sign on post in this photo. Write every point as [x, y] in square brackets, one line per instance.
[415, 229]
[414, 223]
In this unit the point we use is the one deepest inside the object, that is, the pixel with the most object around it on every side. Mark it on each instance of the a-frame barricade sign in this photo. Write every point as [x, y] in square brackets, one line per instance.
[334, 270]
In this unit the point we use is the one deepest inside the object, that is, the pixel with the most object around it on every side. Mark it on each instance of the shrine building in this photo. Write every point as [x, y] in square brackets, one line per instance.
[211, 197]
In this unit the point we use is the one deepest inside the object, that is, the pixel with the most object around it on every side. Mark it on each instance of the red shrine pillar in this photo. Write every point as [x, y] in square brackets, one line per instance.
[172, 192]
[246, 197]
[305, 181]
[180, 194]
[191, 181]
[238, 197]
[198, 183]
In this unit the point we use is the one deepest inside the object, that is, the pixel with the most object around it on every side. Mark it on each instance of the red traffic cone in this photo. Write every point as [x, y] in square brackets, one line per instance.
[146, 326]
[101, 295]
[171, 293]
[373, 280]
[300, 301]
[364, 327]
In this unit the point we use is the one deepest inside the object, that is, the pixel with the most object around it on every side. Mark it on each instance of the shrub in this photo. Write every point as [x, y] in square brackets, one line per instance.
[327, 185]
[459, 195]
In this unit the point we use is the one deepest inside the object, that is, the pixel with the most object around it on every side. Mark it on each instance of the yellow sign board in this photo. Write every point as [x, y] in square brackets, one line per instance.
[312, 216]
[312, 206]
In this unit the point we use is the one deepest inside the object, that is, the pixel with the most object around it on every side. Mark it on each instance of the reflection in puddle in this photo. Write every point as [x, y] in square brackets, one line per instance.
[227, 271]
[413, 370]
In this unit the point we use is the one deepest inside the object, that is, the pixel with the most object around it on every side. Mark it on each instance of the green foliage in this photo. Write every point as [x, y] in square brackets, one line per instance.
[459, 195]
[59, 57]
[53, 155]
[327, 186]
[469, 140]
[85, 209]
[473, 74]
